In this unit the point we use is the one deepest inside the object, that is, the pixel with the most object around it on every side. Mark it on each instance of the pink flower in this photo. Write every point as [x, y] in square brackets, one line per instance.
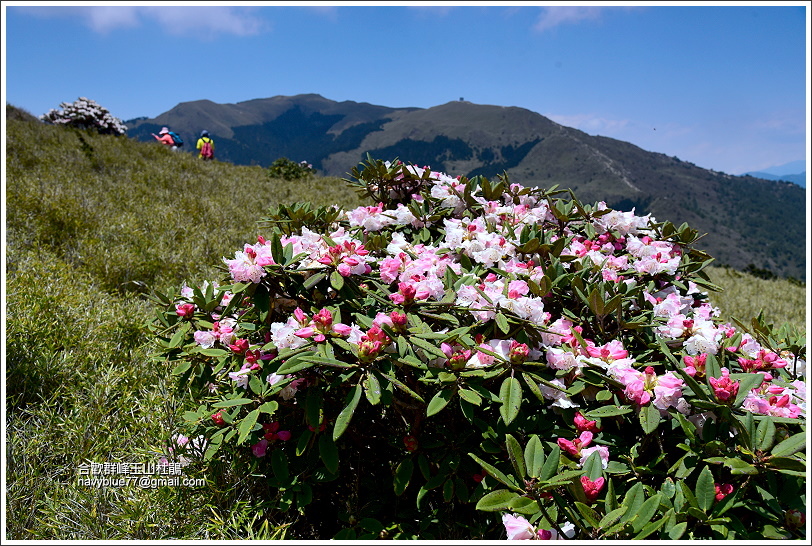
[239, 346]
[609, 352]
[518, 352]
[342, 329]
[518, 528]
[399, 320]
[695, 365]
[603, 453]
[405, 294]
[305, 333]
[592, 489]
[574, 447]
[323, 319]
[272, 432]
[582, 423]
[722, 490]
[185, 310]
[260, 448]
[724, 388]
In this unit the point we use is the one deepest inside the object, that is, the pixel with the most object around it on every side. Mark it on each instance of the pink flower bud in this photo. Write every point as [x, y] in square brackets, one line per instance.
[592, 489]
[185, 310]
[305, 333]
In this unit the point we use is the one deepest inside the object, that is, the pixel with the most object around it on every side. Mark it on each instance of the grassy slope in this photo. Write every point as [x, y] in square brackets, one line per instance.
[89, 219]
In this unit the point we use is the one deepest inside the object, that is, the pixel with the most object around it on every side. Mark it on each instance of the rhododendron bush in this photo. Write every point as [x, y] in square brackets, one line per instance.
[85, 114]
[477, 359]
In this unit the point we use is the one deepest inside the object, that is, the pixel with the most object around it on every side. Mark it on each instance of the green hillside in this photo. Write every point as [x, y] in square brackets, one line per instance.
[94, 223]
[746, 220]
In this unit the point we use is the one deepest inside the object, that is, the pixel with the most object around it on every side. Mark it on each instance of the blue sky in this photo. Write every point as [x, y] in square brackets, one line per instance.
[725, 87]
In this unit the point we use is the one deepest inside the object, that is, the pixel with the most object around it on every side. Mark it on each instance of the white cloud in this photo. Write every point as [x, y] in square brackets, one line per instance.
[214, 20]
[590, 123]
[559, 15]
[175, 20]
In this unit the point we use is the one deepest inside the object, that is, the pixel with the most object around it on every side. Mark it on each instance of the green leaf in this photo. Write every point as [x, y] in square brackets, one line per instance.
[502, 323]
[233, 402]
[524, 505]
[736, 466]
[791, 445]
[328, 452]
[427, 347]
[593, 466]
[496, 473]
[343, 419]
[534, 456]
[313, 402]
[608, 411]
[213, 352]
[747, 382]
[314, 279]
[336, 281]
[496, 501]
[256, 385]
[439, 401]
[705, 490]
[653, 526]
[612, 517]
[213, 447]
[646, 512]
[511, 396]
[470, 396]
[181, 368]
[404, 388]
[550, 467]
[635, 497]
[292, 365]
[516, 457]
[590, 515]
[372, 388]
[675, 532]
[180, 333]
[247, 425]
[403, 474]
[649, 418]
[269, 407]
[304, 442]
[765, 435]
[279, 464]
[327, 361]
[786, 463]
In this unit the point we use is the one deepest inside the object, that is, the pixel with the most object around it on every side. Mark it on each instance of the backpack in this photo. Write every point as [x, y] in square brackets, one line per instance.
[176, 139]
[206, 151]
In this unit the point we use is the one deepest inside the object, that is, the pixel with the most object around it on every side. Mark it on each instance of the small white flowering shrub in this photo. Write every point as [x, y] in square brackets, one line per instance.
[85, 114]
[475, 359]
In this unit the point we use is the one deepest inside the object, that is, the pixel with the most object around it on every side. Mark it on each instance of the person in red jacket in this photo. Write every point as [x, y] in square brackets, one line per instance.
[165, 138]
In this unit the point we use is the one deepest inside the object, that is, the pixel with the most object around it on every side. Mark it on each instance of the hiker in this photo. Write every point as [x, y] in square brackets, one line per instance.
[206, 146]
[165, 137]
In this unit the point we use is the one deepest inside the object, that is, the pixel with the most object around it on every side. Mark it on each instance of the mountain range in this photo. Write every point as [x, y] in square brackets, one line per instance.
[748, 221]
[799, 178]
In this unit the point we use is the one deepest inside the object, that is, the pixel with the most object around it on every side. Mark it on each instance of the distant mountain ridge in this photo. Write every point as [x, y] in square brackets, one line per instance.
[799, 178]
[747, 220]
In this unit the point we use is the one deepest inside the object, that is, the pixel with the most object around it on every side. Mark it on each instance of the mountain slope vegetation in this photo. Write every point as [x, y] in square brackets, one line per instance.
[747, 220]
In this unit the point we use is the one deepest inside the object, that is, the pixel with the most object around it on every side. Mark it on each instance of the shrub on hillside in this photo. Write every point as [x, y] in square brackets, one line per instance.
[475, 359]
[286, 169]
[85, 114]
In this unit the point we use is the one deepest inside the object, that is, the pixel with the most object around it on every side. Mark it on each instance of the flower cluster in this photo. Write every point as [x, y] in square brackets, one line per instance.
[85, 114]
[582, 330]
